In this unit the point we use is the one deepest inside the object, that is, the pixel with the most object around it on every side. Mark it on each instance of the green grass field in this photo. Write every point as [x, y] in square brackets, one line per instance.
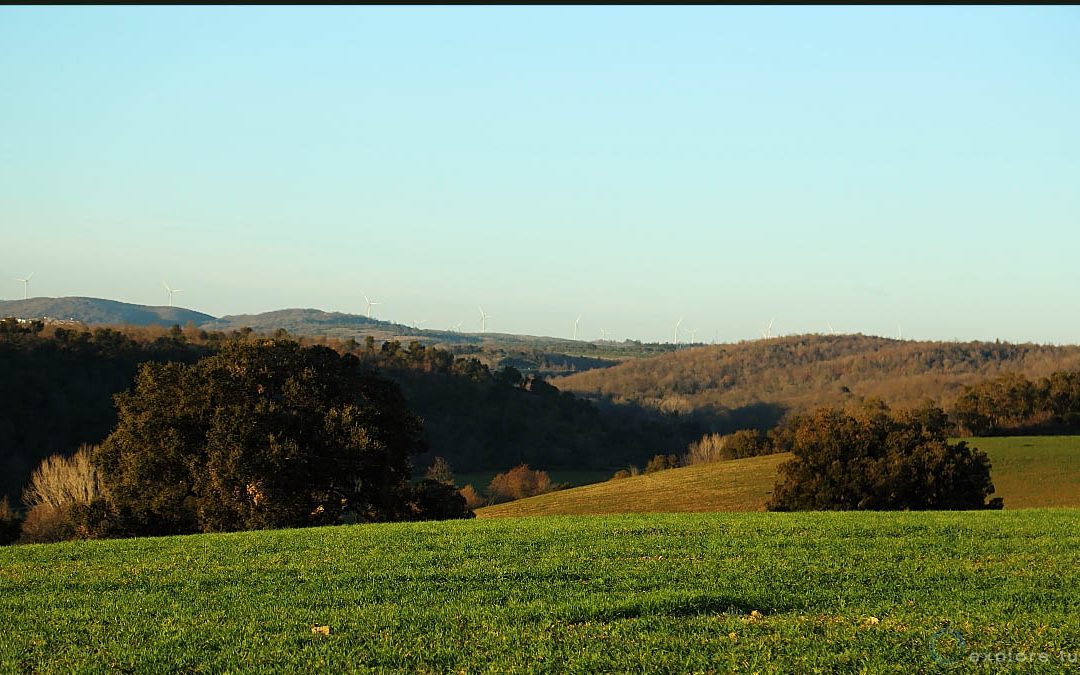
[1034, 471]
[747, 592]
[1028, 472]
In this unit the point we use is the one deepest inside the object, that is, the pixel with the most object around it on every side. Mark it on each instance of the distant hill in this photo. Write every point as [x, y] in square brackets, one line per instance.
[528, 353]
[97, 311]
[316, 322]
[800, 372]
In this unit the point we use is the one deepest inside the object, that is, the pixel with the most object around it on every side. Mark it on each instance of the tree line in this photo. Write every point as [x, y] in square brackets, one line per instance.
[257, 435]
[57, 387]
[1014, 404]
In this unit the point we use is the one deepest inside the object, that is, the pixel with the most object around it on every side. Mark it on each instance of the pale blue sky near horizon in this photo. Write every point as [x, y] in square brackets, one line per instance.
[867, 168]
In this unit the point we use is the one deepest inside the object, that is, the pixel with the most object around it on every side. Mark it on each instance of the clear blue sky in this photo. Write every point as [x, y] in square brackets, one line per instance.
[864, 167]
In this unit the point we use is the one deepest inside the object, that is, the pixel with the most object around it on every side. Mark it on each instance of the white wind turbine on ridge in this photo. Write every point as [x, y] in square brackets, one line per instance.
[484, 319]
[26, 285]
[767, 333]
[171, 291]
[370, 303]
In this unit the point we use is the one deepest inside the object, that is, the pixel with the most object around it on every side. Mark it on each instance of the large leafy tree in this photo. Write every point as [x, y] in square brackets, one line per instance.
[260, 435]
[870, 459]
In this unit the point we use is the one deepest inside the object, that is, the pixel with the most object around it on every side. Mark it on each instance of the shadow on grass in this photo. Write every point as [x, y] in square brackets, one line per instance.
[675, 608]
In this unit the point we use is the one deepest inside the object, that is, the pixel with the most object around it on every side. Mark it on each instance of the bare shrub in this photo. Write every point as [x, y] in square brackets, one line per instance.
[473, 499]
[518, 483]
[716, 447]
[61, 482]
[705, 450]
[58, 488]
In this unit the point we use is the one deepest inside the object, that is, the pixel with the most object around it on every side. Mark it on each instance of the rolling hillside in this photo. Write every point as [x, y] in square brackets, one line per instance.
[98, 312]
[801, 372]
[735, 485]
[1028, 472]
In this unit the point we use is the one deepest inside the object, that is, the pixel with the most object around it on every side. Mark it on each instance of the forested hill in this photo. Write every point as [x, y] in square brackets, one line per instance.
[801, 372]
[311, 322]
[57, 386]
[98, 312]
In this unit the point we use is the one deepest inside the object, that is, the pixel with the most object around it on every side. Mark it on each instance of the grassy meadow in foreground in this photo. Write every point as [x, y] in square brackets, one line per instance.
[1028, 472]
[825, 592]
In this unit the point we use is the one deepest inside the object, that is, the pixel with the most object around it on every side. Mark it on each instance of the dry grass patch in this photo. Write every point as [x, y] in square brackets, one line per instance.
[735, 485]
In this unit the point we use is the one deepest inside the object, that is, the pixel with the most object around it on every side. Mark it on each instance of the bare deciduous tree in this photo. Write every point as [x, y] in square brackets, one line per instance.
[60, 482]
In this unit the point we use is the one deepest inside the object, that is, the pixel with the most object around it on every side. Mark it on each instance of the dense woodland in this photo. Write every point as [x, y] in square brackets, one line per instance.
[800, 373]
[1013, 404]
[57, 387]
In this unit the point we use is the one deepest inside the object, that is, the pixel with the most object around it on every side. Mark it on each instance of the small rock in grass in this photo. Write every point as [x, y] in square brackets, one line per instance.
[320, 630]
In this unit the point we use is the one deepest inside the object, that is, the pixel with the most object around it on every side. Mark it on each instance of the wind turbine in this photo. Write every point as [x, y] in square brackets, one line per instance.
[677, 324]
[456, 328]
[576, 322]
[171, 291]
[831, 331]
[693, 336]
[603, 334]
[370, 303]
[899, 332]
[767, 333]
[26, 286]
[483, 320]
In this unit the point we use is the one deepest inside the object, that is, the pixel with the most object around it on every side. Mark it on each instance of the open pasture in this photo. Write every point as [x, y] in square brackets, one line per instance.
[725, 592]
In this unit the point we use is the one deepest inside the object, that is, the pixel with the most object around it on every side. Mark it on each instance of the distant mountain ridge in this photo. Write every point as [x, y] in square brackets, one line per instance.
[98, 312]
[302, 321]
[297, 321]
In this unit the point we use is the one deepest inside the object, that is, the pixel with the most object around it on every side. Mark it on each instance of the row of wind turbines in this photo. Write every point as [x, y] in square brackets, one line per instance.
[25, 281]
[766, 332]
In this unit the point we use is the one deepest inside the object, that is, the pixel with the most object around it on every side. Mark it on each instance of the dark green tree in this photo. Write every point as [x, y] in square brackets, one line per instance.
[869, 459]
[259, 435]
[434, 500]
